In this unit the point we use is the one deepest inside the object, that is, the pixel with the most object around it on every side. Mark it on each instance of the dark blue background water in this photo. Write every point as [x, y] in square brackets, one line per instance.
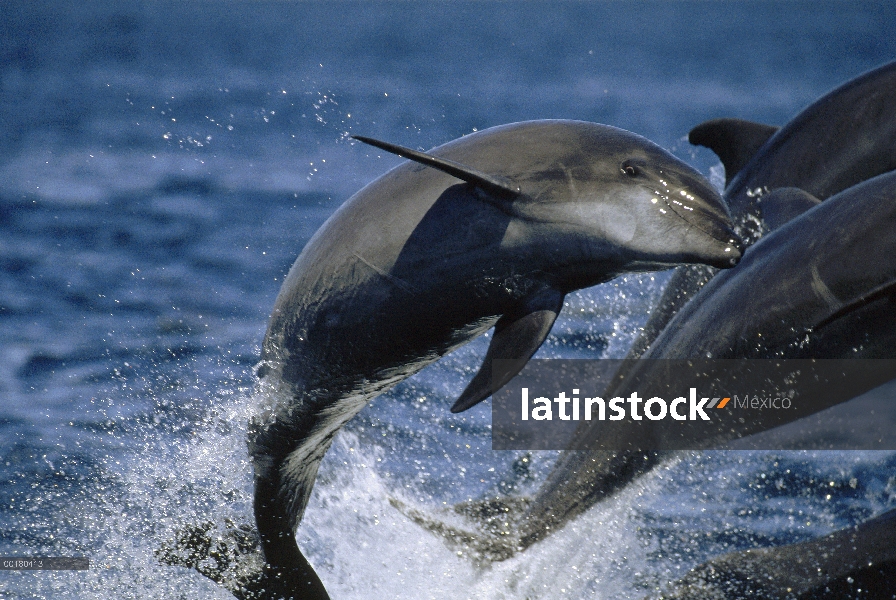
[162, 164]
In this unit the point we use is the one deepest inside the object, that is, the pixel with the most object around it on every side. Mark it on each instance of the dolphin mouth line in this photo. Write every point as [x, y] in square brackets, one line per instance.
[733, 239]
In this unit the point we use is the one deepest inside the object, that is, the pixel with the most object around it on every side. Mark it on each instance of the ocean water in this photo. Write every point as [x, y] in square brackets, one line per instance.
[163, 163]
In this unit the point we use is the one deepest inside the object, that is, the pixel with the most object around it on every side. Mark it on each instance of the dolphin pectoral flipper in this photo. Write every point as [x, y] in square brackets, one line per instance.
[492, 184]
[516, 339]
[735, 141]
[783, 204]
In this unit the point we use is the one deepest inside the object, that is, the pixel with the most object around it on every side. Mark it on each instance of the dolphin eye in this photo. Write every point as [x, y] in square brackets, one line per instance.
[630, 169]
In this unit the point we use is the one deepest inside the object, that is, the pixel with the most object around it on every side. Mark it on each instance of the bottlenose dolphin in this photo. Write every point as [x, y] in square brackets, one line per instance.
[822, 286]
[856, 562]
[492, 229]
[842, 139]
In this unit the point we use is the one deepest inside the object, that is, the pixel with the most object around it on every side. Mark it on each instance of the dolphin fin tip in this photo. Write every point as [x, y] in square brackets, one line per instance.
[467, 401]
[734, 141]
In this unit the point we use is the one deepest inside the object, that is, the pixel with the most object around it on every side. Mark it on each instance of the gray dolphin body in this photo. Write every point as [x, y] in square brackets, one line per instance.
[840, 140]
[857, 562]
[822, 286]
[843, 138]
[417, 264]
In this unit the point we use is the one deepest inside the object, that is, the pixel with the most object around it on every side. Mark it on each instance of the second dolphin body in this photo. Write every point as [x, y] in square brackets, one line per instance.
[840, 140]
[823, 286]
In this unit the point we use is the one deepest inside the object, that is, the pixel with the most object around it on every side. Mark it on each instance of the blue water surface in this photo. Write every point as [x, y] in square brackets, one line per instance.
[162, 164]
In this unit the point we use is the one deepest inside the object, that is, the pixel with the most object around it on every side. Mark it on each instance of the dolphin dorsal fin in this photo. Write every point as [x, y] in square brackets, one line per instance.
[494, 185]
[734, 141]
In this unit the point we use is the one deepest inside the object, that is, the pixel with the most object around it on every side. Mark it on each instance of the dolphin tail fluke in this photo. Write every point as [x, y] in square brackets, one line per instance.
[735, 141]
[514, 342]
[486, 534]
[491, 184]
[286, 572]
[230, 555]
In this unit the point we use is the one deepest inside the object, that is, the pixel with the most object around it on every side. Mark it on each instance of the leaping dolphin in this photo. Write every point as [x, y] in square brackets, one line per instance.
[843, 138]
[823, 286]
[492, 229]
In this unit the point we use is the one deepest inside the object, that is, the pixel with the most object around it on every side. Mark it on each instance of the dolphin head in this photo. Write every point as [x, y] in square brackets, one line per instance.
[635, 208]
[668, 197]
